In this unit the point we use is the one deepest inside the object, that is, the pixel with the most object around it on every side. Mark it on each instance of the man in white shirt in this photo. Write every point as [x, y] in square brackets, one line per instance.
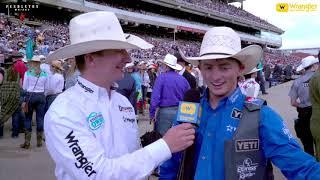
[91, 130]
[250, 87]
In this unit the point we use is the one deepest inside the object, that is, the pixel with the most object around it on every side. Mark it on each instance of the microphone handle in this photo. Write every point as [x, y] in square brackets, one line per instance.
[186, 169]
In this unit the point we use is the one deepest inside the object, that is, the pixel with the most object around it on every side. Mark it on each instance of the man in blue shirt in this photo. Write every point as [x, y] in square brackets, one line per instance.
[221, 62]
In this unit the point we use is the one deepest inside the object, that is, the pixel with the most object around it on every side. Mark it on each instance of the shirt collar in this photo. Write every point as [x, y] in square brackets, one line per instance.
[182, 71]
[233, 98]
[92, 90]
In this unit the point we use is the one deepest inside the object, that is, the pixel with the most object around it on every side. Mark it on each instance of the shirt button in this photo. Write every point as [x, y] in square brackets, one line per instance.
[203, 158]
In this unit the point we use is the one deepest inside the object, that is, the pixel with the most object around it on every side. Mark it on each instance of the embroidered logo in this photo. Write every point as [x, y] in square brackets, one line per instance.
[286, 131]
[244, 145]
[95, 120]
[125, 109]
[236, 113]
[82, 161]
[247, 169]
[231, 128]
[87, 89]
[126, 119]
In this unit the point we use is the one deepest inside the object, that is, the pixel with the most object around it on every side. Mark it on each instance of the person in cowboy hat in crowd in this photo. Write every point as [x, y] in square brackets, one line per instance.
[130, 69]
[236, 137]
[314, 88]
[34, 84]
[72, 73]
[18, 65]
[190, 78]
[55, 82]
[153, 76]
[250, 87]
[91, 130]
[18, 117]
[127, 86]
[168, 90]
[145, 84]
[300, 98]
[9, 96]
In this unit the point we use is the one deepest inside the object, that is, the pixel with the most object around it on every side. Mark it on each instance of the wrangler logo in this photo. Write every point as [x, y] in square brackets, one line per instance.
[282, 7]
[244, 145]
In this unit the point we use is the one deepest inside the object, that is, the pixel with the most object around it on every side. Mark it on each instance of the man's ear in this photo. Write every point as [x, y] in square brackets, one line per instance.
[241, 69]
[89, 60]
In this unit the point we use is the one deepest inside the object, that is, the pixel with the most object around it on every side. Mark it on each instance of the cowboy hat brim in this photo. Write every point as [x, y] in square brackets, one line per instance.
[248, 56]
[254, 70]
[177, 67]
[72, 50]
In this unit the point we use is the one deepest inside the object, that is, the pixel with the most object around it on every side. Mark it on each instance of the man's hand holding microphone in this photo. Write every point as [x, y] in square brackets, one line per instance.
[180, 137]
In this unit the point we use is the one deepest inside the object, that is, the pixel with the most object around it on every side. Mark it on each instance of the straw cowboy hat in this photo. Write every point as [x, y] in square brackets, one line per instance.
[306, 62]
[171, 61]
[96, 31]
[253, 70]
[224, 42]
[57, 64]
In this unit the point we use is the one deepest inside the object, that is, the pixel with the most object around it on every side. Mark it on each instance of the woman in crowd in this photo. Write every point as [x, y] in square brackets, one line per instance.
[72, 73]
[35, 83]
[55, 82]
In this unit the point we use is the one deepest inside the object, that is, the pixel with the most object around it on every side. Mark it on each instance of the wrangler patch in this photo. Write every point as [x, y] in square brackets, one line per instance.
[244, 145]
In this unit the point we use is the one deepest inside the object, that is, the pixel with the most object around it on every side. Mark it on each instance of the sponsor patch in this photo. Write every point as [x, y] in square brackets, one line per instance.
[82, 161]
[245, 145]
[236, 113]
[95, 120]
[125, 109]
[286, 131]
[231, 128]
[247, 169]
[305, 85]
[86, 89]
[125, 119]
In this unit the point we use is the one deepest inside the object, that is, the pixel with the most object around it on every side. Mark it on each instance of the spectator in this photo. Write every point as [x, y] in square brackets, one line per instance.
[168, 90]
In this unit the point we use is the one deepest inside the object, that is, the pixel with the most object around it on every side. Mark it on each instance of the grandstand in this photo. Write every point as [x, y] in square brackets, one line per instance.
[165, 23]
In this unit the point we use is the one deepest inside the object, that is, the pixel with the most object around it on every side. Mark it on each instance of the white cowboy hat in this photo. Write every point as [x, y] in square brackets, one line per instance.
[96, 31]
[306, 62]
[36, 58]
[224, 42]
[24, 59]
[253, 70]
[171, 61]
[128, 65]
[142, 62]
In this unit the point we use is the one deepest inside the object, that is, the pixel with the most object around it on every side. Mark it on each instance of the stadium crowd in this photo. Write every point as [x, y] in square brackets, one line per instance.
[158, 77]
[214, 6]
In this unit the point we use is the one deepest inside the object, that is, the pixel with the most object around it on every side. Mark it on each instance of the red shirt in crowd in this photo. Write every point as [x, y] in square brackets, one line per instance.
[20, 67]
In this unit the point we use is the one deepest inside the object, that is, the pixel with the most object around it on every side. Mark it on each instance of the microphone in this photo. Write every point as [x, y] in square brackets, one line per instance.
[189, 109]
[189, 112]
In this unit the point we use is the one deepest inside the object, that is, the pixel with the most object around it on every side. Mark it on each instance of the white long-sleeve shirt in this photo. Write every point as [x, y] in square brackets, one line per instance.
[30, 83]
[90, 135]
[55, 84]
[250, 88]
